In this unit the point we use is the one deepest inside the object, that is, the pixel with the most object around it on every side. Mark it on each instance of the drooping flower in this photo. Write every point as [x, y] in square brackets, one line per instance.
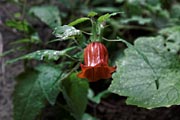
[96, 63]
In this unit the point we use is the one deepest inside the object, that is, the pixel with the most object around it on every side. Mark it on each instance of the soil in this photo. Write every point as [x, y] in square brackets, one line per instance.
[115, 108]
[112, 107]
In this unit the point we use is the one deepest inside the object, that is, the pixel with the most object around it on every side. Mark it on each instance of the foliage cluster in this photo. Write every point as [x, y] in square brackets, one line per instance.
[147, 70]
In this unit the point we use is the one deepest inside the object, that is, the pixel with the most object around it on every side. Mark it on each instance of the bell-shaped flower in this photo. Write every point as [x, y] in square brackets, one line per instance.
[96, 63]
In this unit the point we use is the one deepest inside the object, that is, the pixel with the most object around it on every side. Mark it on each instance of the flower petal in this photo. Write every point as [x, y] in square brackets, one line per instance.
[96, 73]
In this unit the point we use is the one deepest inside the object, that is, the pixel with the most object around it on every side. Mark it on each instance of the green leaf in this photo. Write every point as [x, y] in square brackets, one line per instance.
[49, 80]
[137, 19]
[28, 98]
[33, 88]
[136, 78]
[174, 11]
[19, 25]
[119, 1]
[88, 117]
[10, 51]
[106, 9]
[34, 38]
[47, 14]
[173, 42]
[65, 32]
[92, 14]
[97, 98]
[169, 31]
[106, 17]
[103, 18]
[75, 93]
[80, 20]
[47, 55]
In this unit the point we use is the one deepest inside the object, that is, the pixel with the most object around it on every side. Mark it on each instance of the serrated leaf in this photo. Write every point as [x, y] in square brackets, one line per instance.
[47, 55]
[78, 21]
[33, 88]
[75, 93]
[135, 78]
[47, 14]
[65, 32]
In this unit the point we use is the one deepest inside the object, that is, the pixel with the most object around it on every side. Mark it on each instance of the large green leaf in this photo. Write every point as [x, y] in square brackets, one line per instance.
[47, 14]
[145, 64]
[75, 92]
[33, 88]
[47, 55]
[49, 80]
[28, 97]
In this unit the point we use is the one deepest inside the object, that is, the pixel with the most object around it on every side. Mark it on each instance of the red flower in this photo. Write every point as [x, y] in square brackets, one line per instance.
[96, 63]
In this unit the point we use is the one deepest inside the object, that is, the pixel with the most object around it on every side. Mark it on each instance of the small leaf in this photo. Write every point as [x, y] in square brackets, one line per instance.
[47, 55]
[19, 25]
[78, 21]
[97, 98]
[75, 93]
[92, 14]
[88, 117]
[65, 32]
[34, 39]
[47, 14]
[106, 17]
[135, 77]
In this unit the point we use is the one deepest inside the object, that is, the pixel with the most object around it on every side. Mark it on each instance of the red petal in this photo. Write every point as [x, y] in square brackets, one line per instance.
[96, 73]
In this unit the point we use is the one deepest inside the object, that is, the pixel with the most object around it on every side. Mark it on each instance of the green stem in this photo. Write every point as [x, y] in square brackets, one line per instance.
[97, 31]
[94, 31]
[100, 32]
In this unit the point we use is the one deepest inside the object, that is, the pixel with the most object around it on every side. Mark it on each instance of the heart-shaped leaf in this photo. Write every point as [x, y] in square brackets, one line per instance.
[148, 63]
